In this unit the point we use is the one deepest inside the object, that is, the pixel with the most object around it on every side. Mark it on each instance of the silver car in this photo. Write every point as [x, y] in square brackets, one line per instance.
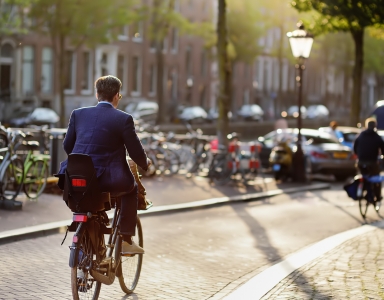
[323, 153]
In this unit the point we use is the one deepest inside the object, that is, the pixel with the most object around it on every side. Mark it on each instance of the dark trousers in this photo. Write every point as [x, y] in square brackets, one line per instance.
[128, 213]
[371, 169]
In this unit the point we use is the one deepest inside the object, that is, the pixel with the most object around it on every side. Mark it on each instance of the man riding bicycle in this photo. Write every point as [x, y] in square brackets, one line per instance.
[366, 147]
[106, 134]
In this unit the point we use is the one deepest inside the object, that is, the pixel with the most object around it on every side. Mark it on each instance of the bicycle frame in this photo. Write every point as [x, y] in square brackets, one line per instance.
[96, 229]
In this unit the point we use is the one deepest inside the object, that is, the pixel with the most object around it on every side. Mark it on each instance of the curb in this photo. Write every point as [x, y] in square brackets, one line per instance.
[262, 283]
[61, 226]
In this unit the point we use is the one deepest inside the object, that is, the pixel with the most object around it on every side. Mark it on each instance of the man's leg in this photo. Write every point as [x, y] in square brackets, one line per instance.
[128, 215]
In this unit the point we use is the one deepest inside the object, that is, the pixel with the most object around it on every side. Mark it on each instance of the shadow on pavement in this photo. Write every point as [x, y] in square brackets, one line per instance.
[263, 243]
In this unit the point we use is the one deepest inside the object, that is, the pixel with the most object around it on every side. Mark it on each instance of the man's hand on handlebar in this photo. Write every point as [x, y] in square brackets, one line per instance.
[149, 162]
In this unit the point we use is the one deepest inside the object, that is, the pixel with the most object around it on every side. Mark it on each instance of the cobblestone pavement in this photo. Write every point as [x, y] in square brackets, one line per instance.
[354, 270]
[199, 254]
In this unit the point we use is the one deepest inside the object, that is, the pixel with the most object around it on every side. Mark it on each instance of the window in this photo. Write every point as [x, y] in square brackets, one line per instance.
[28, 70]
[203, 64]
[122, 72]
[136, 78]
[104, 65]
[165, 44]
[69, 71]
[46, 71]
[188, 61]
[136, 31]
[203, 97]
[87, 72]
[152, 79]
[174, 40]
[123, 33]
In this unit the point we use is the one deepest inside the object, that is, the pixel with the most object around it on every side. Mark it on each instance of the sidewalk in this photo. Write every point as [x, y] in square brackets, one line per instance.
[351, 267]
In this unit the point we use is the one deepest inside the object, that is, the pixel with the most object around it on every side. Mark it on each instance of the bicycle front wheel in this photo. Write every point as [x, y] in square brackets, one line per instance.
[84, 286]
[36, 179]
[363, 206]
[12, 180]
[130, 266]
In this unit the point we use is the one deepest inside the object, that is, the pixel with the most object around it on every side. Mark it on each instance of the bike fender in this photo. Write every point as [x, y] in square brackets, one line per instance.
[74, 252]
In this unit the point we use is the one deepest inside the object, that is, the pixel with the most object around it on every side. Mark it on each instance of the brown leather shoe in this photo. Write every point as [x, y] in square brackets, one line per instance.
[129, 250]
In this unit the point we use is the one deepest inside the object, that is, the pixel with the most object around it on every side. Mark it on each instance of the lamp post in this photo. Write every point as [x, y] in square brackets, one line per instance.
[301, 44]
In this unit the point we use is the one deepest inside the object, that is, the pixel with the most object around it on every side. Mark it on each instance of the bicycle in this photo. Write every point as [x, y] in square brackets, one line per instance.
[90, 262]
[36, 168]
[11, 168]
[366, 193]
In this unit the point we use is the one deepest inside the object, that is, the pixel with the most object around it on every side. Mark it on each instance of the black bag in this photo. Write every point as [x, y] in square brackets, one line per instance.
[81, 189]
[354, 189]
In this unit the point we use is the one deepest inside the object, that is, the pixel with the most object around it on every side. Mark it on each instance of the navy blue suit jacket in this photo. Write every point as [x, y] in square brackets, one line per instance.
[105, 133]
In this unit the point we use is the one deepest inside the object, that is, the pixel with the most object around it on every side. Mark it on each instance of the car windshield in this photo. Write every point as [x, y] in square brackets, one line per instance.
[317, 140]
[131, 107]
[349, 137]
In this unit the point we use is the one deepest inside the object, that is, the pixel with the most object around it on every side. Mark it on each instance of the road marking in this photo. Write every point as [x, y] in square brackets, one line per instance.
[262, 283]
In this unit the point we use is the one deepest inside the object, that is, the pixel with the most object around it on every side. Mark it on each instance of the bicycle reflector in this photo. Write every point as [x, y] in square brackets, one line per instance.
[79, 182]
[80, 218]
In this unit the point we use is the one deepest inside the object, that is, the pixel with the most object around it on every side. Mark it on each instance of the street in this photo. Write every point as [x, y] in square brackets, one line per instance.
[198, 254]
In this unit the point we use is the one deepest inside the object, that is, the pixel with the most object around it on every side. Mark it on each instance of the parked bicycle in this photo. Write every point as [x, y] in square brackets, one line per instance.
[11, 167]
[94, 262]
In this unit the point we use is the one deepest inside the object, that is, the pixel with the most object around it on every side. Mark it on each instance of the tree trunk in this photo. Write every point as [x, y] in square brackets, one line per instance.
[224, 74]
[160, 82]
[358, 37]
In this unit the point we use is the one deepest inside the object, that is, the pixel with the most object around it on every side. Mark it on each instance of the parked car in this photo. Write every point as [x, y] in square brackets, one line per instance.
[349, 134]
[250, 112]
[323, 153]
[143, 110]
[317, 112]
[293, 112]
[193, 114]
[213, 114]
[25, 116]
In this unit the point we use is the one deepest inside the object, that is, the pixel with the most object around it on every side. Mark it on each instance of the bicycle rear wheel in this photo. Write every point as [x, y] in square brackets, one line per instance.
[12, 180]
[84, 286]
[36, 179]
[130, 266]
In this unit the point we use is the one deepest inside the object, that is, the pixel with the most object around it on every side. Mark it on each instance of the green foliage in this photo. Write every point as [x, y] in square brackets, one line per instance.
[12, 14]
[244, 30]
[374, 54]
[82, 21]
[341, 15]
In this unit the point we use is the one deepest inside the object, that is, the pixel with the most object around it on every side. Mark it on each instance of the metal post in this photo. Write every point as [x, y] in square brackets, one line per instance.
[298, 157]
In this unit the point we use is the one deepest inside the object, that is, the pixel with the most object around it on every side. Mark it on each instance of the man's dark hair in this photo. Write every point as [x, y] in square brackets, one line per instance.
[107, 87]
[370, 123]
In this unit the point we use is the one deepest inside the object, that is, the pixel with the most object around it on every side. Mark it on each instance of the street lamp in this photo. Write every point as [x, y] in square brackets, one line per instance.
[301, 44]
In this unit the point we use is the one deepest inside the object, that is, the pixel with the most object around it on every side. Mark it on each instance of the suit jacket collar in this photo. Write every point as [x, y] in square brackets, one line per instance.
[104, 105]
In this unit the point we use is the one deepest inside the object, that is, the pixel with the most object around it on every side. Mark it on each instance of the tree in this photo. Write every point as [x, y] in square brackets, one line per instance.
[163, 16]
[224, 70]
[353, 16]
[78, 22]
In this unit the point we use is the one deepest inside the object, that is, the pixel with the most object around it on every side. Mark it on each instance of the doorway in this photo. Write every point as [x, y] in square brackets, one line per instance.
[5, 82]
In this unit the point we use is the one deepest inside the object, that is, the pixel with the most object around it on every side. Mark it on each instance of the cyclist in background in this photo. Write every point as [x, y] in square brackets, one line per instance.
[367, 147]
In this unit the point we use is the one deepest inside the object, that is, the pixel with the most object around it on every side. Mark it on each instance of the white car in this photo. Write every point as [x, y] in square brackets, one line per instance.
[193, 114]
[249, 112]
[143, 110]
[317, 112]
